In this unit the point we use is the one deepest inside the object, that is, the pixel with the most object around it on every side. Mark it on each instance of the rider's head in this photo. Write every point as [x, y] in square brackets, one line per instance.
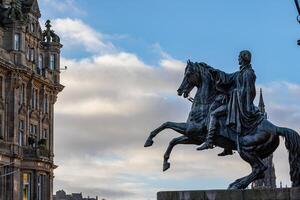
[245, 57]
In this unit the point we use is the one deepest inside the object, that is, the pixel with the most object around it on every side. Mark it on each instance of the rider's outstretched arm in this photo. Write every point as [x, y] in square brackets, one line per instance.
[223, 79]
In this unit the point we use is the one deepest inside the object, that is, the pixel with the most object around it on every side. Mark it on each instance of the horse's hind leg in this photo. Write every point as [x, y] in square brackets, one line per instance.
[178, 127]
[173, 143]
[258, 169]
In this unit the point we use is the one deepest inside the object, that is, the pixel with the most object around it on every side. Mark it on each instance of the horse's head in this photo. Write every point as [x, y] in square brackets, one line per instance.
[191, 79]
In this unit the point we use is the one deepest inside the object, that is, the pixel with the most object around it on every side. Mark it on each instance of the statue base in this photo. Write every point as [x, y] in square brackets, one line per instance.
[251, 194]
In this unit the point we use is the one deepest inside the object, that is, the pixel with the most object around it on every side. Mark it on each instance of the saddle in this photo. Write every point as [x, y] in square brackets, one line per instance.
[230, 132]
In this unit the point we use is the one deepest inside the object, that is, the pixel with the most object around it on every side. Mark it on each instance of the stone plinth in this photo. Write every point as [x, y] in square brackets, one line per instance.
[254, 194]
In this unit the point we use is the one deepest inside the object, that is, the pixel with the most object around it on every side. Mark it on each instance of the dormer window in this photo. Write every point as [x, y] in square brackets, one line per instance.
[52, 61]
[17, 42]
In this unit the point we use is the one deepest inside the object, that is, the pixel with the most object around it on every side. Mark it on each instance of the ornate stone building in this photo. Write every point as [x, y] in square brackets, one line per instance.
[29, 85]
[270, 178]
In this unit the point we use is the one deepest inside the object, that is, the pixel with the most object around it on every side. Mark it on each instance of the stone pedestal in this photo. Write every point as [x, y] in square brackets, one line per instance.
[253, 194]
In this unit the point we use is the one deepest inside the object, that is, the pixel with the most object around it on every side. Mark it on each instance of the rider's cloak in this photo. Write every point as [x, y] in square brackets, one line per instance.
[242, 114]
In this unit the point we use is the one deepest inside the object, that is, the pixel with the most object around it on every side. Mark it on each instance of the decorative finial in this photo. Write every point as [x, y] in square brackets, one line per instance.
[49, 35]
[48, 24]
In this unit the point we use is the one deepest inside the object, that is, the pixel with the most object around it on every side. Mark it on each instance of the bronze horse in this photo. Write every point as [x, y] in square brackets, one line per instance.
[252, 147]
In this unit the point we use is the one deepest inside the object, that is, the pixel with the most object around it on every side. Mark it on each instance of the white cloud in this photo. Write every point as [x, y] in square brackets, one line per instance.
[75, 33]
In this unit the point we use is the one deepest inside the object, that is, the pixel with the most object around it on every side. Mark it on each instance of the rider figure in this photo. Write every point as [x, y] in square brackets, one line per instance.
[239, 87]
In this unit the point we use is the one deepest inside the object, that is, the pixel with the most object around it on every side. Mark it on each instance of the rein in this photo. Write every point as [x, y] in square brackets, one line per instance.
[210, 100]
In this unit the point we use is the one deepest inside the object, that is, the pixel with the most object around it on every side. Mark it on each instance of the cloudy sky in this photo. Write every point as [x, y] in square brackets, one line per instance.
[125, 61]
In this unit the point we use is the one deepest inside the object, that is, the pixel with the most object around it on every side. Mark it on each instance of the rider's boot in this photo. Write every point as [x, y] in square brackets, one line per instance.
[207, 145]
[209, 139]
[226, 152]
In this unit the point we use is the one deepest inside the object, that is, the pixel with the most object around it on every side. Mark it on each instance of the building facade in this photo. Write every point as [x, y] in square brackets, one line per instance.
[29, 85]
[269, 181]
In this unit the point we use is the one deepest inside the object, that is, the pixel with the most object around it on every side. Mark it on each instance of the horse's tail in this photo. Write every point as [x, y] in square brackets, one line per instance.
[292, 143]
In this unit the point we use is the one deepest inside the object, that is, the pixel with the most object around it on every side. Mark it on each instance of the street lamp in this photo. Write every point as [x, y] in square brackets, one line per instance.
[298, 17]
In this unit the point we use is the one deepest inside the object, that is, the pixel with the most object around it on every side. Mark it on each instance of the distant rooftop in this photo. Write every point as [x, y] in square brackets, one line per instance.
[61, 195]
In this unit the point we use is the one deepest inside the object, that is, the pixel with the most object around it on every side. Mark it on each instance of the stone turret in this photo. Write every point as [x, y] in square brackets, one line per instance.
[51, 45]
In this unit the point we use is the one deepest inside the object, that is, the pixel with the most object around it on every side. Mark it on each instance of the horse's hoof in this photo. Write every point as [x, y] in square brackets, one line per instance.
[149, 143]
[233, 187]
[236, 186]
[166, 166]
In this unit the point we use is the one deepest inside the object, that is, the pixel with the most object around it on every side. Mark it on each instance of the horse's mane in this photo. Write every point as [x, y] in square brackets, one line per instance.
[202, 69]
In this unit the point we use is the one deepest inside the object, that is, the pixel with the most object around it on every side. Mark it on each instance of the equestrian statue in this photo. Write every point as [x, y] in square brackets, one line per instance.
[223, 114]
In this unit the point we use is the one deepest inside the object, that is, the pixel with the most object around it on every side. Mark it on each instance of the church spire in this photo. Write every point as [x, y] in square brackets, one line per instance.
[269, 181]
[261, 104]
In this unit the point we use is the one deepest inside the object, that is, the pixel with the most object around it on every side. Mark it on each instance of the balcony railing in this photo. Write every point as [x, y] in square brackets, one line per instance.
[25, 152]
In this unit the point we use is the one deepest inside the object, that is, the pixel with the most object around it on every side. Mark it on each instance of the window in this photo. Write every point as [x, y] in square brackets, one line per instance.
[40, 65]
[21, 133]
[41, 183]
[1, 127]
[17, 42]
[33, 129]
[1, 87]
[52, 61]
[26, 186]
[22, 94]
[34, 99]
[32, 54]
[45, 134]
[32, 27]
[28, 53]
[46, 104]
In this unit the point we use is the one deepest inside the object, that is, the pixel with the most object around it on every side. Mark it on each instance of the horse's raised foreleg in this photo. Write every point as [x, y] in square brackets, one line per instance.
[258, 169]
[173, 143]
[178, 127]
